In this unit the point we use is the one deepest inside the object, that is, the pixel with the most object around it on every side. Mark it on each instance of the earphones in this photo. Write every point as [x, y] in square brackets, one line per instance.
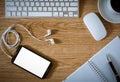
[18, 38]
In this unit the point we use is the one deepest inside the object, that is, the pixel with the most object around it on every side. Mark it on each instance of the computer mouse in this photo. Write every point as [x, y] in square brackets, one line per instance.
[95, 26]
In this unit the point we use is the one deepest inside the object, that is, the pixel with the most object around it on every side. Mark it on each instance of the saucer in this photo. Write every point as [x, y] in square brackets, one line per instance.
[106, 13]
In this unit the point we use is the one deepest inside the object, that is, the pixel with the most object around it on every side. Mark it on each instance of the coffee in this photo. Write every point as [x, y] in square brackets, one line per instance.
[116, 5]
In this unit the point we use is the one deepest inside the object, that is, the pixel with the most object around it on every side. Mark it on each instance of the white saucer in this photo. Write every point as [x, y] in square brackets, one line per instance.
[106, 13]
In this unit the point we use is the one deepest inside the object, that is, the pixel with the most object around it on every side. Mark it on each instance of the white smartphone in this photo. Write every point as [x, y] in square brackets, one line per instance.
[31, 62]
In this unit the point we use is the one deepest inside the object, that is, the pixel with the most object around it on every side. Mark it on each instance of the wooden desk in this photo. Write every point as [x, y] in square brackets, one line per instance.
[74, 44]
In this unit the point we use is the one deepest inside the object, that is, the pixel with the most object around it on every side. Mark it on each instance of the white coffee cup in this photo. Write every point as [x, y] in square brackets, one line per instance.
[110, 7]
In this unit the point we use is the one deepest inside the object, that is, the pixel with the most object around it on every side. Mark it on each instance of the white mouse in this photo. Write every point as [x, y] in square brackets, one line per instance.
[95, 26]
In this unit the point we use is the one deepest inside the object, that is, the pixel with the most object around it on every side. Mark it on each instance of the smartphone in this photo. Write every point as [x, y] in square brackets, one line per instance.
[31, 62]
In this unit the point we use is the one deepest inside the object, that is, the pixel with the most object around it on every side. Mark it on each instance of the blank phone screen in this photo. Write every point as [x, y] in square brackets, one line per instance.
[31, 62]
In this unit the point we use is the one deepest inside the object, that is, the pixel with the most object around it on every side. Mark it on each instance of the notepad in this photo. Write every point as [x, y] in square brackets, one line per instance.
[97, 69]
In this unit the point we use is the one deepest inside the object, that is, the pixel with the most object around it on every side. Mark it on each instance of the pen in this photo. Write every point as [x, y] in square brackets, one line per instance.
[113, 68]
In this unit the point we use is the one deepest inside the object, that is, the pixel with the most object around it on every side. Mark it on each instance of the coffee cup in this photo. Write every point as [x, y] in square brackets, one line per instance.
[114, 6]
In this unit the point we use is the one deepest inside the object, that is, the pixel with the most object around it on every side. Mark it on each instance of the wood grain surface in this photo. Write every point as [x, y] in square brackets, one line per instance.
[74, 44]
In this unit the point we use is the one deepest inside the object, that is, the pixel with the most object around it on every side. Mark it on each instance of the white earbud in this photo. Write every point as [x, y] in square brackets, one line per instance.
[48, 33]
[51, 41]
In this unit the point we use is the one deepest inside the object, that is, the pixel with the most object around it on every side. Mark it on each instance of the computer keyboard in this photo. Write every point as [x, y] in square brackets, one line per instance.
[41, 8]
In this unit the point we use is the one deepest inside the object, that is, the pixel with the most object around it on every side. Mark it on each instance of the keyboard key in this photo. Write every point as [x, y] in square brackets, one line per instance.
[42, 4]
[8, 13]
[18, 14]
[10, 3]
[32, 3]
[67, 4]
[64, 9]
[39, 8]
[52, 4]
[54, 8]
[72, 9]
[74, 4]
[22, 4]
[40, 14]
[34, 8]
[70, 14]
[47, 4]
[24, 13]
[59, 8]
[29, 8]
[61, 14]
[17, 3]
[49, 8]
[55, 14]
[9, 0]
[37, 4]
[13, 13]
[19, 8]
[62, 4]
[44, 8]
[24, 8]
[57, 4]
[27, 3]
[11, 8]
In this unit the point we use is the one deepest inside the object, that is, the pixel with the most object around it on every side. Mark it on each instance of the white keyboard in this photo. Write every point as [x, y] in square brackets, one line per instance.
[41, 8]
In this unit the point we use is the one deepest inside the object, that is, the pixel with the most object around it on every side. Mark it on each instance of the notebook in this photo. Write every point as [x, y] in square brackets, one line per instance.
[97, 69]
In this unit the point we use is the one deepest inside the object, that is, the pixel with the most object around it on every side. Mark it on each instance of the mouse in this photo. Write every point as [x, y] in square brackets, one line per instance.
[95, 26]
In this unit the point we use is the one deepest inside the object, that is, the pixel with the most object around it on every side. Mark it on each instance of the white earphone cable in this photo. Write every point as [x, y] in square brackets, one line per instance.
[18, 40]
